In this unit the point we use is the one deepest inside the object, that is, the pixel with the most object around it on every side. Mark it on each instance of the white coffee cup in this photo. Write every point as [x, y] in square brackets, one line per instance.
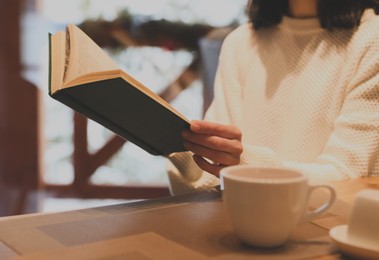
[265, 204]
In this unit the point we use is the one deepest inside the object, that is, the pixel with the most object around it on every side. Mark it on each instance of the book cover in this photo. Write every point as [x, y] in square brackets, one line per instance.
[115, 100]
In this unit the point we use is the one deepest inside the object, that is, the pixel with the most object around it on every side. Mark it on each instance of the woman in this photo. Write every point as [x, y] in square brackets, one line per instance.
[298, 86]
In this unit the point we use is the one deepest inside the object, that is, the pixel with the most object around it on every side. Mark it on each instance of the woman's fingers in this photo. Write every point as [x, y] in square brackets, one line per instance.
[209, 128]
[214, 142]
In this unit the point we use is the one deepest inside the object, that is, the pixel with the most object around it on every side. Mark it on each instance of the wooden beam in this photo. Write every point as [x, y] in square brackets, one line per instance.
[19, 119]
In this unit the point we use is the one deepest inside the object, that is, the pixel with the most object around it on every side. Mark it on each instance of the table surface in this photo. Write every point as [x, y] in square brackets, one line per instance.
[192, 226]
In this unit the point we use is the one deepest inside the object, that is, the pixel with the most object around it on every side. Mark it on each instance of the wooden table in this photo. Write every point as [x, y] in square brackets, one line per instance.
[193, 226]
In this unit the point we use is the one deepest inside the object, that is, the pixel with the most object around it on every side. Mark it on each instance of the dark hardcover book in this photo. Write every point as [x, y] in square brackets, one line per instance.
[83, 77]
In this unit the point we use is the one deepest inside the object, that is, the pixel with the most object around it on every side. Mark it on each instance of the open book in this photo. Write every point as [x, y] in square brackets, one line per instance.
[83, 77]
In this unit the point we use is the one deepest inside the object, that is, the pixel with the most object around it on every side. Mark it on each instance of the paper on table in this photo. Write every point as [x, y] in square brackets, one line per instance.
[159, 247]
[151, 246]
[130, 247]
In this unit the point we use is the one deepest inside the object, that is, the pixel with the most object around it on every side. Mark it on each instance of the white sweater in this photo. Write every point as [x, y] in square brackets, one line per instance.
[302, 96]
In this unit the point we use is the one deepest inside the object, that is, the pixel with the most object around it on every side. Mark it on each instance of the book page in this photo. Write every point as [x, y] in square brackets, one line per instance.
[57, 56]
[85, 56]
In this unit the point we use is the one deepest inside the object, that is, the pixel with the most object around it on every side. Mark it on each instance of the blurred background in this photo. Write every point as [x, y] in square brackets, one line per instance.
[52, 159]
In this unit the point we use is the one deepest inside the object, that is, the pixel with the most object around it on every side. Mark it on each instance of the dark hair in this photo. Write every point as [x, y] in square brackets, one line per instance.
[332, 14]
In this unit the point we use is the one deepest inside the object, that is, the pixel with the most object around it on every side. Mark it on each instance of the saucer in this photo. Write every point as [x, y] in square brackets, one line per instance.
[339, 236]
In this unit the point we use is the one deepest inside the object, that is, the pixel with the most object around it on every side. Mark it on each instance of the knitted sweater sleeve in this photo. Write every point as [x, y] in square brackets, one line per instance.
[352, 149]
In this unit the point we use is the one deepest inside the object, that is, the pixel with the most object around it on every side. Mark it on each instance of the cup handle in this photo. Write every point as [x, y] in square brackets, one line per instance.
[324, 207]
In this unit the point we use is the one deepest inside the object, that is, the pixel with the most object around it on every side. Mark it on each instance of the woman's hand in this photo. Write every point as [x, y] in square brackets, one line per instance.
[220, 144]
